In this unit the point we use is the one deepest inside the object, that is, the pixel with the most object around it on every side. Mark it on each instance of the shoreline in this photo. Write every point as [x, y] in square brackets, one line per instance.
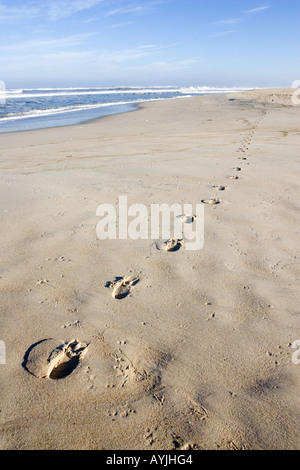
[94, 111]
[137, 106]
[132, 106]
[198, 354]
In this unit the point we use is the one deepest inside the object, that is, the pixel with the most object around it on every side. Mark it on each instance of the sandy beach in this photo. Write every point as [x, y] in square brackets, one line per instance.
[197, 353]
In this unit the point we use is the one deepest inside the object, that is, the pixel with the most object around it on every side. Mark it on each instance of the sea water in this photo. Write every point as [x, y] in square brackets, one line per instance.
[36, 108]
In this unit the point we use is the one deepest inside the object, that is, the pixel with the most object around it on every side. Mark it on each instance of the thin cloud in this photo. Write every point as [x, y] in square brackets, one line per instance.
[63, 8]
[224, 33]
[238, 20]
[133, 8]
[123, 23]
[48, 44]
[124, 10]
[124, 55]
[69, 56]
[138, 52]
[49, 9]
[258, 9]
[8, 13]
[230, 21]
[166, 66]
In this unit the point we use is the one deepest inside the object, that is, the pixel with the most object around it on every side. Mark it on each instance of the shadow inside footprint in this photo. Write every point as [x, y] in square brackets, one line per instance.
[173, 244]
[211, 201]
[46, 359]
[67, 361]
[187, 218]
[122, 286]
[64, 368]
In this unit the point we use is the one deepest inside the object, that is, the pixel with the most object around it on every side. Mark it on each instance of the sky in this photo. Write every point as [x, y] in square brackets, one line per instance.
[64, 43]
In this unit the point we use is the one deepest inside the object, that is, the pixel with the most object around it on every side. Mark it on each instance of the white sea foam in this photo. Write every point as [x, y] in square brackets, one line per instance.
[206, 89]
[66, 109]
[51, 92]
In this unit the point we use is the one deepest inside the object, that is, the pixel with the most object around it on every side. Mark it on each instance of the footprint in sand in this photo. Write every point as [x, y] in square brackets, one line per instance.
[173, 244]
[234, 177]
[187, 218]
[237, 168]
[220, 187]
[46, 359]
[122, 286]
[211, 201]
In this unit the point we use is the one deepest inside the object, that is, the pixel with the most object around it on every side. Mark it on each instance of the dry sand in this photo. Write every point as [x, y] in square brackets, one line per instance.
[198, 354]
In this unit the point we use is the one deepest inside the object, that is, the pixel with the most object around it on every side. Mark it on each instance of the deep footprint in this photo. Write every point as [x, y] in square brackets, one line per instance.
[47, 360]
[211, 201]
[173, 244]
[122, 286]
[68, 360]
[187, 218]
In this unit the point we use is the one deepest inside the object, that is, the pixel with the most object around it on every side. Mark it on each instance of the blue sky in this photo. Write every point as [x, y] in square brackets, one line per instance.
[155, 42]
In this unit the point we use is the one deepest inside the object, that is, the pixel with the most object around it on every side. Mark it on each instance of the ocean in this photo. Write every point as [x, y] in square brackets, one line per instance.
[36, 108]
